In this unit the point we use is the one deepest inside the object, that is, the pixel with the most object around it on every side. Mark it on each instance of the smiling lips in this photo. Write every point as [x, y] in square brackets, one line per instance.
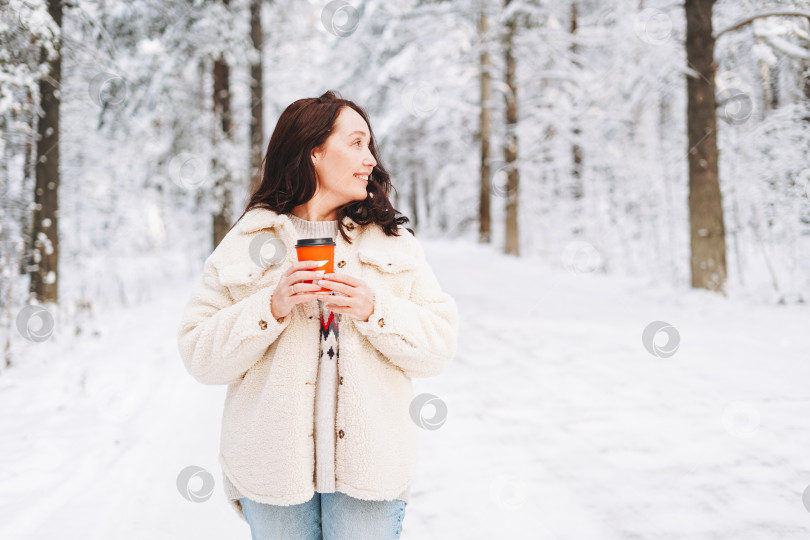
[362, 176]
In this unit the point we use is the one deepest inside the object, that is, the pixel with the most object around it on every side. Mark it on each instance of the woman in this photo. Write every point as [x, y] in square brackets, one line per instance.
[318, 439]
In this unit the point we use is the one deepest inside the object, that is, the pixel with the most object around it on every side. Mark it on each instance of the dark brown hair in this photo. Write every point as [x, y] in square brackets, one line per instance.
[288, 176]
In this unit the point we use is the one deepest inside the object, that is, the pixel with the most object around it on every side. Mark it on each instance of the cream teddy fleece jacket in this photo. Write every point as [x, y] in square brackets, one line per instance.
[228, 336]
[326, 385]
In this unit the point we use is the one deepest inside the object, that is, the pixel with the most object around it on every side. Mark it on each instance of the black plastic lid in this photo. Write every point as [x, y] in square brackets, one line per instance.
[310, 242]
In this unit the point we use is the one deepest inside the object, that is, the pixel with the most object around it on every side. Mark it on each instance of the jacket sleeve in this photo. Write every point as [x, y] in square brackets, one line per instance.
[419, 334]
[219, 340]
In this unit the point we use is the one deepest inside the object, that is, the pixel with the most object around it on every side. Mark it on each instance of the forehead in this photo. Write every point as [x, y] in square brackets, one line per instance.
[348, 121]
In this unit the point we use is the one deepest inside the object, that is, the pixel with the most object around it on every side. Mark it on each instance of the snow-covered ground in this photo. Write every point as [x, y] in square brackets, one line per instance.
[561, 425]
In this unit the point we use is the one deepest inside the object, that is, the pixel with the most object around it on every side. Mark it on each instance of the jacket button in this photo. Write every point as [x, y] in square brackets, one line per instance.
[340, 433]
[341, 264]
[381, 322]
[341, 379]
[263, 325]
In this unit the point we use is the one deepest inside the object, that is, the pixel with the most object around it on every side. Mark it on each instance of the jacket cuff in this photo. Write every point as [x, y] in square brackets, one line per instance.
[283, 321]
[382, 320]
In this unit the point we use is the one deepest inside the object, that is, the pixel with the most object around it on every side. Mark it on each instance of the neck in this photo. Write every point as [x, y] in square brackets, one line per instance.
[313, 229]
[313, 214]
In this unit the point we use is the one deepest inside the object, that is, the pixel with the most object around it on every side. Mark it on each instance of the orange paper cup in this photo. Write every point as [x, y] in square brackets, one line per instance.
[317, 249]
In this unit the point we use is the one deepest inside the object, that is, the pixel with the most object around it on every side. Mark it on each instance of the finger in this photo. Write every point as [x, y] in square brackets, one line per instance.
[314, 264]
[345, 278]
[341, 301]
[302, 288]
[299, 265]
[295, 267]
[299, 277]
[347, 310]
[303, 275]
[335, 286]
[316, 275]
[298, 298]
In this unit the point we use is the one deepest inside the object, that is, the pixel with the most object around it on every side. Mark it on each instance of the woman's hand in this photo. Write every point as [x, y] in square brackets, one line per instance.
[291, 291]
[358, 299]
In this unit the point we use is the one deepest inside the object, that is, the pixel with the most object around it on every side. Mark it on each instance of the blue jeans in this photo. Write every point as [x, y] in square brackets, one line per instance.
[327, 516]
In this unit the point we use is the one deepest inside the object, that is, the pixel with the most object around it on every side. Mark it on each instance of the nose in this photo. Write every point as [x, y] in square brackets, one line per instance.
[369, 159]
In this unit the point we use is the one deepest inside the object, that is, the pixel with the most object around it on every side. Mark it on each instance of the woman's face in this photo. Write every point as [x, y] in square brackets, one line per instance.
[344, 160]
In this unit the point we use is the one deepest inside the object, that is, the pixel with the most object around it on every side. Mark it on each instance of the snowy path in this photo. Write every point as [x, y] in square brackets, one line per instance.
[560, 425]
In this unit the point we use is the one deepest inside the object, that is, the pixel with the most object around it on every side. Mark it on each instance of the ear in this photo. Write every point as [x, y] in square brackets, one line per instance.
[315, 155]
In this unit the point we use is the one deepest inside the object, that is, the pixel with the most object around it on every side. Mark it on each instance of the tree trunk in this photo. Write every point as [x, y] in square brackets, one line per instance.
[27, 259]
[765, 83]
[44, 284]
[256, 93]
[510, 148]
[577, 187]
[414, 202]
[707, 230]
[484, 231]
[806, 85]
[222, 132]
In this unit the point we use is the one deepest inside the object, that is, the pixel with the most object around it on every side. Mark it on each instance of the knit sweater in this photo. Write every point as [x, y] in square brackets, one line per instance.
[328, 379]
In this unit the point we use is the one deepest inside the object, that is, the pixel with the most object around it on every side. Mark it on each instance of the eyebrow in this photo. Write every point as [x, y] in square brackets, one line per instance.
[360, 132]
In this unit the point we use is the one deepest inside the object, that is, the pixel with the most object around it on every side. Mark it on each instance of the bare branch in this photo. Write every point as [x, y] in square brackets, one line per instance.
[749, 20]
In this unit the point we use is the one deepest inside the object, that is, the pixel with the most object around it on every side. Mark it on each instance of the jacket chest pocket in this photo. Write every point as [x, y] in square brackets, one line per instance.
[393, 271]
[243, 279]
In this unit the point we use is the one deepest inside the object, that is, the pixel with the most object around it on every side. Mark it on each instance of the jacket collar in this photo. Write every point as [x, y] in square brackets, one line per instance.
[261, 218]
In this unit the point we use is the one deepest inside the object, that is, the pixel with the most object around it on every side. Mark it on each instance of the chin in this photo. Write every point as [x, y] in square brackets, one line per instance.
[358, 198]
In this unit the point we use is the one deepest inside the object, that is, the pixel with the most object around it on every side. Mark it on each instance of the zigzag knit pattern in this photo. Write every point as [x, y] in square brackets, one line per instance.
[329, 333]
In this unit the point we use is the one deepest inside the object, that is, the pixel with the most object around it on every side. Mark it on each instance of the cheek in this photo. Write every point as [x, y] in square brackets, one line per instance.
[339, 172]
[347, 166]
[333, 172]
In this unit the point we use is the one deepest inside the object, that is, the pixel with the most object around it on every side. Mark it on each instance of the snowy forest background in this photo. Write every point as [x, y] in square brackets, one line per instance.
[147, 152]
[143, 164]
